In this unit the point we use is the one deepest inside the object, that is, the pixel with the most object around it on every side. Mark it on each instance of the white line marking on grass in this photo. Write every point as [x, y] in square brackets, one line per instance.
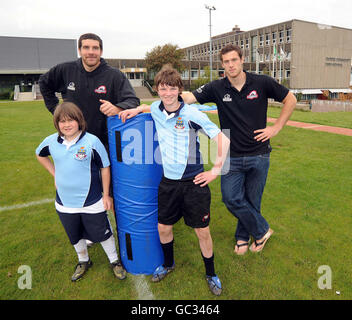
[142, 288]
[25, 205]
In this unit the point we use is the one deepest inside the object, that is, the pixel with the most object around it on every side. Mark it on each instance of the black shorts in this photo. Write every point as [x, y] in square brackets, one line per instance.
[177, 198]
[91, 226]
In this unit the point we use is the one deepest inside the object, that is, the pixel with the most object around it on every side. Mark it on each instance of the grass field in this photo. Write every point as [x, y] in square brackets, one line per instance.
[307, 201]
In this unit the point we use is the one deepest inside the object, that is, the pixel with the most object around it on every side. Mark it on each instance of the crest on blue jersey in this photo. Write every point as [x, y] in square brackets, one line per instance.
[179, 123]
[81, 154]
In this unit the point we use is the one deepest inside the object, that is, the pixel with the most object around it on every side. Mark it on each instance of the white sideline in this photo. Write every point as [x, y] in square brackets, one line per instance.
[142, 288]
[25, 205]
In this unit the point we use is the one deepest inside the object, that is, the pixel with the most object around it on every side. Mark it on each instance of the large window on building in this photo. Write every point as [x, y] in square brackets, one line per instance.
[254, 48]
[274, 37]
[288, 35]
[261, 40]
[267, 39]
[194, 74]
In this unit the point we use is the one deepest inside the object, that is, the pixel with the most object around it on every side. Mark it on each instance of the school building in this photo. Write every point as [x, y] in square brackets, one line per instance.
[309, 58]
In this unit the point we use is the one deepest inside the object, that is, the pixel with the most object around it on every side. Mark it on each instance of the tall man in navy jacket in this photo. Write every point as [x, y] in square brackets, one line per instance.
[242, 101]
[96, 88]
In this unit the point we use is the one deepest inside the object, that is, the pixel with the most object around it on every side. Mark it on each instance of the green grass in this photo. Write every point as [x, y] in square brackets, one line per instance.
[337, 119]
[307, 201]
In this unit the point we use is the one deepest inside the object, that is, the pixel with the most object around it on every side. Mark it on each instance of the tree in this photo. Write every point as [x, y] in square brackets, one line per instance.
[166, 54]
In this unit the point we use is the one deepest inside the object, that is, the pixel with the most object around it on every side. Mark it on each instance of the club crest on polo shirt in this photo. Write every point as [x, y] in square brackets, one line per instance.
[100, 89]
[81, 154]
[253, 95]
[179, 124]
[200, 90]
[227, 98]
[71, 86]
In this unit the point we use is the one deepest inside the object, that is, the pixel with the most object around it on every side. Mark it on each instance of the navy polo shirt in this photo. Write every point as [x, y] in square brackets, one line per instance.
[243, 111]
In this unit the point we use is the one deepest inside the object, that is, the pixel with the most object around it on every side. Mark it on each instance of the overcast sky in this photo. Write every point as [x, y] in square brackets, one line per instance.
[131, 28]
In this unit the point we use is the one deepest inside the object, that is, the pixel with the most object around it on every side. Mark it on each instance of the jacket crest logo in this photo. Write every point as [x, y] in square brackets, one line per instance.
[100, 89]
[227, 98]
[71, 86]
[252, 95]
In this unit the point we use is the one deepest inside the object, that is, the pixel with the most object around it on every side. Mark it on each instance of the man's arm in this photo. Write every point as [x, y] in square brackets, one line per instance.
[286, 112]
[49, 83]
[188, 97]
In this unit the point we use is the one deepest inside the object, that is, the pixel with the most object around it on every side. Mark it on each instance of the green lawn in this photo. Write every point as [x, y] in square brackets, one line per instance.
[338, 119]
[307, 201]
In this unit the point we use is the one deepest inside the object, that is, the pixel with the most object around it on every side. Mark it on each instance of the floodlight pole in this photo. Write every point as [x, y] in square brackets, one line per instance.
[211, 47]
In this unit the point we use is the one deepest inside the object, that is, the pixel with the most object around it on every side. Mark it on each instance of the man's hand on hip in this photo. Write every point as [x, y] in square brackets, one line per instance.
[266, 134]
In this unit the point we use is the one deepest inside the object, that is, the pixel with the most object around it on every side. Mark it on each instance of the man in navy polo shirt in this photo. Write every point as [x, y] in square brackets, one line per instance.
[242, 102]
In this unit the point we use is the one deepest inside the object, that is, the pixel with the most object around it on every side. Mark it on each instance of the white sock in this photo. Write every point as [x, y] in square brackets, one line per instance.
[110, 249]
[81, 249]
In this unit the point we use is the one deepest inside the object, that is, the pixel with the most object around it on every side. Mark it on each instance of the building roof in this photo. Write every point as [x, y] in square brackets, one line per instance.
[22, 55]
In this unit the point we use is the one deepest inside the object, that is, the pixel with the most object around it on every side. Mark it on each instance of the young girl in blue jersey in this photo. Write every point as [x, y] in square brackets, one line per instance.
[183, 190]
[81, 170]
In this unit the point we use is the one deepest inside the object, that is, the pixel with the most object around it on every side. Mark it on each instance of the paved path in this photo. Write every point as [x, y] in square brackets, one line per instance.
[316, 127]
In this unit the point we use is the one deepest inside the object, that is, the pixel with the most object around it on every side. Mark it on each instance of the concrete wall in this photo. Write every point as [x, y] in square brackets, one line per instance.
[321, 56]
[331, 106]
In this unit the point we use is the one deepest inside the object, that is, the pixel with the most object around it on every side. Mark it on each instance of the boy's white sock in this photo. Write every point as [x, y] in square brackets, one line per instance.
[110, 249]
[81, 249]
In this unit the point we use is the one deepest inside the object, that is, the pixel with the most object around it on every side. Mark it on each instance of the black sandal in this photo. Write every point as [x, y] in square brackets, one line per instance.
[261, 243]
[242, 245]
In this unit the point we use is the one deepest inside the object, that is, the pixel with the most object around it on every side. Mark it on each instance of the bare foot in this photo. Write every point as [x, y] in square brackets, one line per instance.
[241, 247]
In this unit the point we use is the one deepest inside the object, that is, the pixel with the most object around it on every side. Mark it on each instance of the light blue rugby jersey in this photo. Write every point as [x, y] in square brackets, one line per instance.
[77, 169]
[178, 139]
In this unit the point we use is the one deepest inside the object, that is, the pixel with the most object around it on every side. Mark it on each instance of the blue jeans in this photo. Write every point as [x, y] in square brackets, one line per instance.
[242, 189]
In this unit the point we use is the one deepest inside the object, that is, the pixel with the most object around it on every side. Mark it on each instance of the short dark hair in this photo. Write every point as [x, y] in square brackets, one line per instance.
[68, 110]
[229, 48]
[168, 76]
[90, 36]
